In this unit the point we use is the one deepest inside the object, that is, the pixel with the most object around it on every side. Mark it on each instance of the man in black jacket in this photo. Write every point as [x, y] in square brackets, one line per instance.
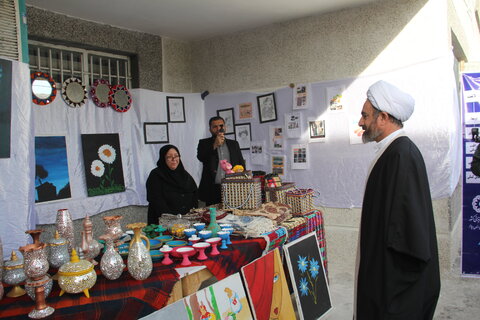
[210, 151]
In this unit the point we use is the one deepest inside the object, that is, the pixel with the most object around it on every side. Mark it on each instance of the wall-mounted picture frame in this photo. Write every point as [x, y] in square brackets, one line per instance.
[229, 117]
[176, 109]
[267, 108]
[243, 135]
[155, 132]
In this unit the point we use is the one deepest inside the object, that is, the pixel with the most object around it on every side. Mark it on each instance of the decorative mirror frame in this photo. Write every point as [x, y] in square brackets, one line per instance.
[45, 76]
[65, 97]
[93, 93]
[111, 98]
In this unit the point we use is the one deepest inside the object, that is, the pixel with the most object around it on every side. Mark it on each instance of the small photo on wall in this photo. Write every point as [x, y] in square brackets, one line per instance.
[103, 164]
[307, 274]
[243, 135]
[229, 117]
[51, 169]
[316, 129]
[267, 108]
[155, 132]
[245, 110]
[176, 109]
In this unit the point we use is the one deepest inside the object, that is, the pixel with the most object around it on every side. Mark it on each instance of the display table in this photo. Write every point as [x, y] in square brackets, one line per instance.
[127, 298]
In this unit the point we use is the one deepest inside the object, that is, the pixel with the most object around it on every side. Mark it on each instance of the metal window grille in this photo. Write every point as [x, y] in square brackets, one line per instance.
[64, 62]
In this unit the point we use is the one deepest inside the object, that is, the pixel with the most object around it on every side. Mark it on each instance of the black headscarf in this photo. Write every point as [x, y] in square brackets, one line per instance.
[178, 178]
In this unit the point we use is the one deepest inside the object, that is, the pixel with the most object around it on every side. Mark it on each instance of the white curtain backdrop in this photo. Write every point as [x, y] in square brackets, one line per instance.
[337, 168]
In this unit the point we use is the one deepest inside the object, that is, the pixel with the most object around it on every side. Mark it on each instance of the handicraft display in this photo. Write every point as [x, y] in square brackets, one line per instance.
[307, 274]
[99, 92]
[119, 98]
[267, 288]
[103, 164]
[44, 89]
[74, 92]
[52, 181]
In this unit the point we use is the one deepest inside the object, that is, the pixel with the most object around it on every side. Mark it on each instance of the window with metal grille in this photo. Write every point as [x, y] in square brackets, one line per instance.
[65, 62]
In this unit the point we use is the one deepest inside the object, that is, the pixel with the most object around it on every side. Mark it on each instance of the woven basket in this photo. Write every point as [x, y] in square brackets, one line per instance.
[301, 201]
[277, 194]
[241, 193]
[247, 174]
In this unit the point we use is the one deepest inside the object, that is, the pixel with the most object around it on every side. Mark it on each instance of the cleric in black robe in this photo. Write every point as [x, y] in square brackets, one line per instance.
[170, 188]
[398, 273]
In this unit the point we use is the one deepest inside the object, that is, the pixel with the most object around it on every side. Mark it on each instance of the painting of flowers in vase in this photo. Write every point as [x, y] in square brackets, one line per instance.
[103, 164]
[308, 278]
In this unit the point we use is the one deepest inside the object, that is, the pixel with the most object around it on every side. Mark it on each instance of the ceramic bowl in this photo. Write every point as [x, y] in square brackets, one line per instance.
[154, 243]
[177, 243]
[156, 254]
[214, 240]
[175, 253]
[199, 226]
[189, 232]
[200, 245]
[205, 234]
[164, 238]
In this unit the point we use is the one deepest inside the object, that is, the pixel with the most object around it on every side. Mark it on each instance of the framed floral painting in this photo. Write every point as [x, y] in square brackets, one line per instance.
[307, 275]
[103, 164]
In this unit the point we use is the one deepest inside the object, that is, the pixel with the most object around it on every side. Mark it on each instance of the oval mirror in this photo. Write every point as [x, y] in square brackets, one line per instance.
[100, 92]
[44, 89]
[120, 98]
[74, 92]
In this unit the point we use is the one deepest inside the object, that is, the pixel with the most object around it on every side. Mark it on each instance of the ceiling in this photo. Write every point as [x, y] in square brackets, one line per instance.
[192, 19]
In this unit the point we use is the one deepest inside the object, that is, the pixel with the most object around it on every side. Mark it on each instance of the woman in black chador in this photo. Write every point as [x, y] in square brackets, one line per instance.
[170, 188]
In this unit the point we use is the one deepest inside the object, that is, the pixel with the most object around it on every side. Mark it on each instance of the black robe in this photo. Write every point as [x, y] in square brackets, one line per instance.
[398, 276]
[170, 191]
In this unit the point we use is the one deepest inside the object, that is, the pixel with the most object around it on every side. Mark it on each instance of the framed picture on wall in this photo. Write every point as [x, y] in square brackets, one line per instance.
[155, 132]
[229, 117]
[243, 135]
[267, 108]
[176, 109]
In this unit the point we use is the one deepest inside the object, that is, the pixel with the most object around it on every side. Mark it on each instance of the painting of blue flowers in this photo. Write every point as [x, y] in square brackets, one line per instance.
[103, 164]
[308, 278]
[51, 169]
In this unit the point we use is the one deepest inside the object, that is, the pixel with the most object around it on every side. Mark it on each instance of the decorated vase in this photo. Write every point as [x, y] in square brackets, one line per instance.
[111, 263]
[64, 224]
[139, 259]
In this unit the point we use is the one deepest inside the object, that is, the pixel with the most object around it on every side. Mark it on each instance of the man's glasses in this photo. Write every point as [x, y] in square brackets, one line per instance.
[172, 158]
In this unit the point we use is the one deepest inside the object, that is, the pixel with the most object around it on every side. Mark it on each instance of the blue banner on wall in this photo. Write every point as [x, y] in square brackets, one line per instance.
[471, 182]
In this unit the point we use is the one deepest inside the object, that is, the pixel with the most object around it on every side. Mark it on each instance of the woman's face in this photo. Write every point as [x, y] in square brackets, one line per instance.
[172, 159]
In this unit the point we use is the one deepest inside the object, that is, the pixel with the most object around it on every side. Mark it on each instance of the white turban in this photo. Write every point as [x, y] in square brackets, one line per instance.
[388, 98]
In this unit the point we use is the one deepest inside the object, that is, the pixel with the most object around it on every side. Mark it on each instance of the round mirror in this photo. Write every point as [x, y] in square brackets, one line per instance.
[120, 98]
[44, 89]
[99, 92]
[73, 92]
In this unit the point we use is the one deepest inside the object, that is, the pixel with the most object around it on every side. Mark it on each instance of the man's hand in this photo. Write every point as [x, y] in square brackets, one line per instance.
[219, 140]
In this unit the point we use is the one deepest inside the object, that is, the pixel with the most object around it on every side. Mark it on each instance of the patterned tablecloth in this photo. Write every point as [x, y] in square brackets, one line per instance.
[127, 298]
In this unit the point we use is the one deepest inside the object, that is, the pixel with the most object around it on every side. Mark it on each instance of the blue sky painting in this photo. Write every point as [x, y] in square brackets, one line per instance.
[51, 169]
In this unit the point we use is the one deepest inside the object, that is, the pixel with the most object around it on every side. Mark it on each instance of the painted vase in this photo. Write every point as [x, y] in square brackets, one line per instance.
[64, 225]
[139, 259]
[213, 226]
[111, 263]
